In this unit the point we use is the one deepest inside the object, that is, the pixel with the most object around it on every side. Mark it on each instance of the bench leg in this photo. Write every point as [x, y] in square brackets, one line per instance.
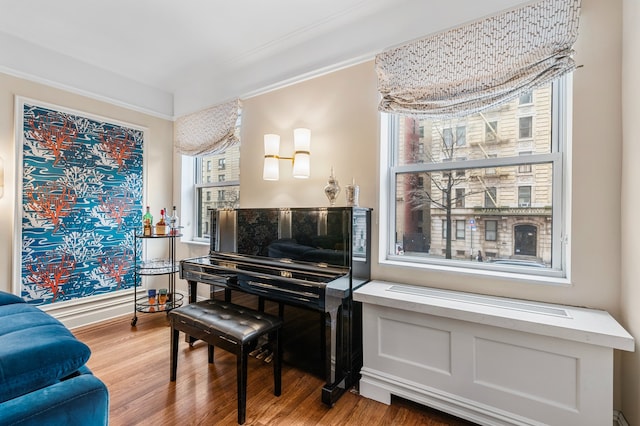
[277, 364]
[210, 353]
[175, 334]
[241, 362]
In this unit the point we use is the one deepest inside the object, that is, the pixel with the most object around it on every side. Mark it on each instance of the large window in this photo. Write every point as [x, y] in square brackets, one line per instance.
[477, 188]
[215, 189]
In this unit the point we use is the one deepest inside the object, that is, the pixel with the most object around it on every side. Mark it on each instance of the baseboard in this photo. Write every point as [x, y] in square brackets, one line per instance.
[89, 310]
[379, 386]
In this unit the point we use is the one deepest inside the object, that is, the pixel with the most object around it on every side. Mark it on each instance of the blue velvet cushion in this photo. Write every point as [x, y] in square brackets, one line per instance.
[8, 298]
[82, 400]
[36, 350]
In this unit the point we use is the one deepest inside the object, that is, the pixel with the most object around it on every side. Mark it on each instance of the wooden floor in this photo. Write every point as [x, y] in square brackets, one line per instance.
[134, 364]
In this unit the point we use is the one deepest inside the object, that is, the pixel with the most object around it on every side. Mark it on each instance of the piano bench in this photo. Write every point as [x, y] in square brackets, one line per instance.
[233, 328]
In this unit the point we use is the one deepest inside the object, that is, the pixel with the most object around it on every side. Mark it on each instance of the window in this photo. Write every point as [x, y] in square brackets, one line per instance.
[484, 180]
[459, 200]
[524, 196]
[525, 128]
[460, 227]
[215, 190]
[491, 170]
[490, 230]
[459, 138]
[491, 131]
[490, 197]
[524, 168]
[526, 98]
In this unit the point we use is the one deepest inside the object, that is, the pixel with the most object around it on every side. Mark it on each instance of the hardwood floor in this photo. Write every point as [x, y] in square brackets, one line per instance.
[134, 364]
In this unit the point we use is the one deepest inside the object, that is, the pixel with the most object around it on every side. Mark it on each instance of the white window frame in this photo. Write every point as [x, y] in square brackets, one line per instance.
[560, 156]
[199, 186]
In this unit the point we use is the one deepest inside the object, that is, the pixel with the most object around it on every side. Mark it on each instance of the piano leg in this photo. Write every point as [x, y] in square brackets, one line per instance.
[336, 371]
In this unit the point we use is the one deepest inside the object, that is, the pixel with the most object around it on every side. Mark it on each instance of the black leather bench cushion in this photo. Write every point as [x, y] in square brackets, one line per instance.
[227, 319]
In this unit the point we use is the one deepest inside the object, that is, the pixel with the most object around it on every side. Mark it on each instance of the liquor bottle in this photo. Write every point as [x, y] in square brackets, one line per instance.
[174, 222]
[147, 221]
[161, 226]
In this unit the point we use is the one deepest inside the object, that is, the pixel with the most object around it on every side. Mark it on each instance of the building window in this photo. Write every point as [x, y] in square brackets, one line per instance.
[221, 178]
[455, 136]
[222, 163]
[490, 230]
[526, 98]
[524, 168]
[472, 176]
[459, 200]
[490, 198]
[525, 128]
[524, 196]
[491, 131]
[460, 228]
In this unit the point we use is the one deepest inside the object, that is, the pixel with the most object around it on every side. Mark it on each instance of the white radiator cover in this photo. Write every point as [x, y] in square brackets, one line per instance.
[494, 361]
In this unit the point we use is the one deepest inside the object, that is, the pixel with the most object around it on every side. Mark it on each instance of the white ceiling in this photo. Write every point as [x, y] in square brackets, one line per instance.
[170, 57]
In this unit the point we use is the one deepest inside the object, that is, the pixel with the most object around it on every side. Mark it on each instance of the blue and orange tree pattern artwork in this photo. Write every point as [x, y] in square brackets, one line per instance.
[81, 204]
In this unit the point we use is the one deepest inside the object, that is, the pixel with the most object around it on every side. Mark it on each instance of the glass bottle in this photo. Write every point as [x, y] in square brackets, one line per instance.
[161, 226]
[147, 221]
[174, 221]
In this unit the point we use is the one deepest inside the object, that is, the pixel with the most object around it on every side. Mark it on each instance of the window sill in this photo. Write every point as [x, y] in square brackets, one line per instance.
[548, 279]
[195, 243]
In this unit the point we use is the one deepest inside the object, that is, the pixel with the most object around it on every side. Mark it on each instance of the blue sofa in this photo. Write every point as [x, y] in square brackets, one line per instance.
[43, 376]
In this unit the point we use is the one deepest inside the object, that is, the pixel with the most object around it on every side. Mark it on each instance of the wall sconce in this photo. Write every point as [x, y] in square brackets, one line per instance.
[301, 156]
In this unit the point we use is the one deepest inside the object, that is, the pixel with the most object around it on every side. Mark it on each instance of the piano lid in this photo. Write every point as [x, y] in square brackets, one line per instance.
[332, 235]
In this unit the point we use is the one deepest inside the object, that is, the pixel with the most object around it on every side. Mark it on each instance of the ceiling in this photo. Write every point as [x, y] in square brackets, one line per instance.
[169, 58]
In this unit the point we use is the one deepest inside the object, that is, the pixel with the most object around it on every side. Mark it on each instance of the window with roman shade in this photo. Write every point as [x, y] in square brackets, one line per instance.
[502, 81]
[480, 65]
[208, 131]
[211, 138]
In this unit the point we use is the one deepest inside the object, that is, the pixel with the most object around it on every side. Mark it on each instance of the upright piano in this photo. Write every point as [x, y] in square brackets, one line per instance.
[311, 258]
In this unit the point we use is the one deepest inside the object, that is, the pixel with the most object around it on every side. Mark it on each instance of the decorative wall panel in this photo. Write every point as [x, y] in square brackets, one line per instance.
[80, 201]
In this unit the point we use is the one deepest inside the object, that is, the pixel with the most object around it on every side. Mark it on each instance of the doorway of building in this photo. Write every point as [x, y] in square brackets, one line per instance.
[526, 239]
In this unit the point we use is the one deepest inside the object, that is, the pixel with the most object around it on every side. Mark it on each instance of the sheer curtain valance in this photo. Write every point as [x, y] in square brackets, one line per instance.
[208, 131]
[481, 64]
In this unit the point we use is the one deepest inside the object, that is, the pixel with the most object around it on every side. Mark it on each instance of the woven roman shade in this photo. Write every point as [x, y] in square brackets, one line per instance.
[482, 64]
[209, 131]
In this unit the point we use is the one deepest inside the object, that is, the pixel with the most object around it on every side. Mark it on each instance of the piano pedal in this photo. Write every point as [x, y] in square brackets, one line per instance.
[262, 354]
[269, 358]
[256, 351]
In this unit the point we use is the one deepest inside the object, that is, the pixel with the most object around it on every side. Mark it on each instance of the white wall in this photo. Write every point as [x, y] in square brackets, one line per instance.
[630, 289]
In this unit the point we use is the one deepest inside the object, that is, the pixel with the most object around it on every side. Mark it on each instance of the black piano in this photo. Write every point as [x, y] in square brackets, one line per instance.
[311, 258]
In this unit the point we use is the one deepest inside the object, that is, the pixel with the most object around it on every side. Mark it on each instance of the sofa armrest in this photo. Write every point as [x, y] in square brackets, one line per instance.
[80, 400]
[8, 298]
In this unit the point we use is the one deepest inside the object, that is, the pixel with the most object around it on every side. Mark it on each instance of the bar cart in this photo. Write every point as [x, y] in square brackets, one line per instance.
[153, 267]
